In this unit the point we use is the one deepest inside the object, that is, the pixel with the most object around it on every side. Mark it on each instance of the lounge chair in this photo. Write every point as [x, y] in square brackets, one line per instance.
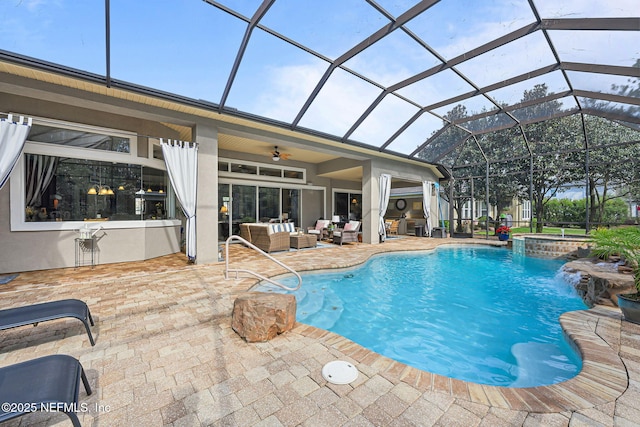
[36, 313]
[347, 234]
[50, 383]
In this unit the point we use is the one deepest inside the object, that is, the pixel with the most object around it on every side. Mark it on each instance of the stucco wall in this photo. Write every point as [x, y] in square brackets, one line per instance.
[42, 250]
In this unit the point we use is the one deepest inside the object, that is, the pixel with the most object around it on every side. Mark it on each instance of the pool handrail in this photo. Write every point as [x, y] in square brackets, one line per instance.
[227, 270]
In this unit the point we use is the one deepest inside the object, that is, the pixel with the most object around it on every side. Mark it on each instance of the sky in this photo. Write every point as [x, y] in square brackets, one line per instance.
[188, 47]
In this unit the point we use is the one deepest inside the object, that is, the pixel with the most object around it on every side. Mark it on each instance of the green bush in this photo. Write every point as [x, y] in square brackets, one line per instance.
[620, 241]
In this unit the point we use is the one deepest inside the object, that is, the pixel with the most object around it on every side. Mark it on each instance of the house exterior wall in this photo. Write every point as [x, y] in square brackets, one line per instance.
[26, 248]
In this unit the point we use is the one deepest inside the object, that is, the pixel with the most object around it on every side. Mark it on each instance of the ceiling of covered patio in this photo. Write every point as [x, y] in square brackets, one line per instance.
[409, 79]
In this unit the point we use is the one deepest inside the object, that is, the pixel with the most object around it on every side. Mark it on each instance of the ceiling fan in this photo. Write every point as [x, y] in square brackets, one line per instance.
[276, 155]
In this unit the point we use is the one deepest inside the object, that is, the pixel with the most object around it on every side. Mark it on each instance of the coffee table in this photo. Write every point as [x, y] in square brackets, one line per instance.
[300, 241]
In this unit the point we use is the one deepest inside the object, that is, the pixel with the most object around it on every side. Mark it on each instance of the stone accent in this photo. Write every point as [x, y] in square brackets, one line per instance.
[539, 246]
[599, 285]
[259, 316]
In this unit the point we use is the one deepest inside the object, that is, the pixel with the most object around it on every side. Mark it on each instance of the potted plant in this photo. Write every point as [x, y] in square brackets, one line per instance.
[503, 232]
[625, 243]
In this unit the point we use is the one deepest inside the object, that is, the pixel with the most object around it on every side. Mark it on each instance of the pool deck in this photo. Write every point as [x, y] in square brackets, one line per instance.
[165, 354]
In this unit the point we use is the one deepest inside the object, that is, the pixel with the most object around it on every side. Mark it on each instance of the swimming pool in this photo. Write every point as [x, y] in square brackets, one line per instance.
[474, 313]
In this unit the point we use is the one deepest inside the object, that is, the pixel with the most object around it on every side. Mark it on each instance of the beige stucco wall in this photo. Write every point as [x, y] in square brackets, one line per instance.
[42, 250]
[34, 250]
[39, 250]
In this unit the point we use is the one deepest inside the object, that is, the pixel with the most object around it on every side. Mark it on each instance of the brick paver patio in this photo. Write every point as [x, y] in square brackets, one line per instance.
[165, 354]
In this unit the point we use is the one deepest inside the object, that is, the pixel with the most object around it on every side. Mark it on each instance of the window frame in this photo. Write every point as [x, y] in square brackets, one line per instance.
[17, 185]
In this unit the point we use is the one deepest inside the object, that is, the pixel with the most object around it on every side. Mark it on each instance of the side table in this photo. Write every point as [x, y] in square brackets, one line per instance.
[299, 241]
[85, 248]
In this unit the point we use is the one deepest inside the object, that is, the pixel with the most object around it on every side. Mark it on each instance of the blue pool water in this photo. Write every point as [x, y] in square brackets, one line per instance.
[477, 314]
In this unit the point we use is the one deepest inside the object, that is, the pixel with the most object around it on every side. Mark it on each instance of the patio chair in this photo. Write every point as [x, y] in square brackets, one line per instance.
[320, 230]
[36, 313]
[50, 383]
[393, 227]
[347, 234]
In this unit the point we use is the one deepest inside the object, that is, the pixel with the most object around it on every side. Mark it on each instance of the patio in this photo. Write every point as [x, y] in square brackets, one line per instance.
[165, 354]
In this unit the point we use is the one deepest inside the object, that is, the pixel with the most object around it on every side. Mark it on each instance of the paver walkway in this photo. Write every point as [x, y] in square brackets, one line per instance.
[165, 354]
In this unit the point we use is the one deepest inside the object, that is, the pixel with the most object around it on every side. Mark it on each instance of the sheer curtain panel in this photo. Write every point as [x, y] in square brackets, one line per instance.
[12, 138]
[385, 193]
[426, 203]
[181, 159]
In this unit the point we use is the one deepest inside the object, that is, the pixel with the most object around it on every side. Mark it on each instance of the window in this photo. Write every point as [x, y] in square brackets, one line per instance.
[261, 171]
[69, 189]
[78, 173]
[347, 205]
[526, 209]
[78, 138]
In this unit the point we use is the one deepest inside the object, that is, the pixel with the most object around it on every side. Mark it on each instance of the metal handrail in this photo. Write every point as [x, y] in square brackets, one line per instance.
[227, 270]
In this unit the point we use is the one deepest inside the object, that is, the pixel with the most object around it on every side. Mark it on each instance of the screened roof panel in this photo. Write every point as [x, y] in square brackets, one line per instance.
[275, 78]
[586, 8]
[619, 108]
[392, 59]
[443, 85]
[454, 27]
[384, 120]
[474, 105]
[441, 144]
[545, 110]
[605, 83]
[514, 94]
[415, 134]
[333, 67]
[492, 121]
[306, 22]
[597, 47]
[341, 101]
[524, 54]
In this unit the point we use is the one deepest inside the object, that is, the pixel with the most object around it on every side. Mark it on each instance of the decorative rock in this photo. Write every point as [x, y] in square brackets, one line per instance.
[600, 285]
[259, 316]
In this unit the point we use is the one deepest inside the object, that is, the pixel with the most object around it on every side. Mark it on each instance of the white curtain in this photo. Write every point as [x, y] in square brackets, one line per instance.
[385, 193]
[40, 172]
[12, 138]
[426, 203]
[181, 159]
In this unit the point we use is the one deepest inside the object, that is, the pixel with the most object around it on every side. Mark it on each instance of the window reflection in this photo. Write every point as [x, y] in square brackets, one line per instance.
[67, 189]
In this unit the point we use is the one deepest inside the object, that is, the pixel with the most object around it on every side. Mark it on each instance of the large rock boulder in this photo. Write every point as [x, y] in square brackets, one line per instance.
[259, 317]
[601, 282]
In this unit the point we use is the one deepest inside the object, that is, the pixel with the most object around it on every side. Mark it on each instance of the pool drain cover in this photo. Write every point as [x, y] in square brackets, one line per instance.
[339, 372]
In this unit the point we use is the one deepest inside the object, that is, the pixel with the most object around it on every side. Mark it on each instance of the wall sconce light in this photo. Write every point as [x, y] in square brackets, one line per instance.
[224, 209]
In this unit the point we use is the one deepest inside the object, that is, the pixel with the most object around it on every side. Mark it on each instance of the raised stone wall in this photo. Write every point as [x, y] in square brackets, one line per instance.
[549, 246]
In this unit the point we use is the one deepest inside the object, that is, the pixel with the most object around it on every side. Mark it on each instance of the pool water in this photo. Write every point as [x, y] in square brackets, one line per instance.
[477, 314]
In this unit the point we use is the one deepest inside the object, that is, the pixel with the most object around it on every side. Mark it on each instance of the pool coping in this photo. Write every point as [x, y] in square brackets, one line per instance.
[602, 379]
